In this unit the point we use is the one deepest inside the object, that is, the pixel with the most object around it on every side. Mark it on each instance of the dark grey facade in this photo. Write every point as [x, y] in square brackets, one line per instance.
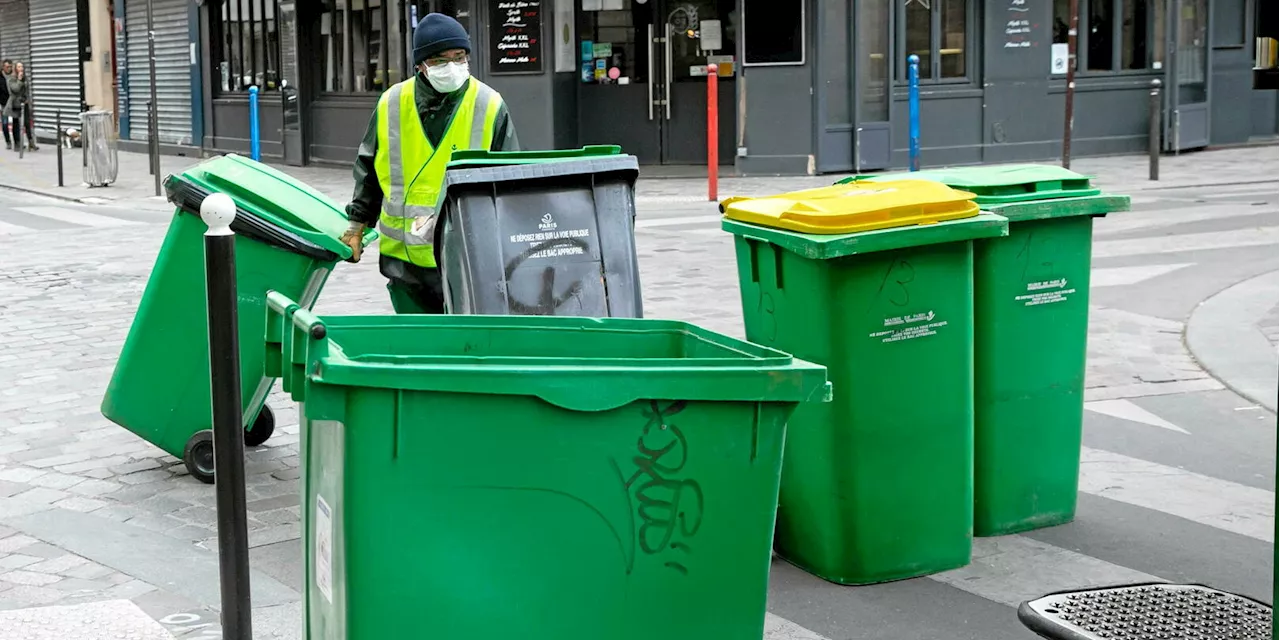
[806, 85]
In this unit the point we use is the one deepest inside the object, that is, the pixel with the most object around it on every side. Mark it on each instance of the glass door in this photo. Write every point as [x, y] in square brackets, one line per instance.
[696, 33]
[873, 146]
[291, 110]
[618, 82]
[642, 79]
[1187, 96]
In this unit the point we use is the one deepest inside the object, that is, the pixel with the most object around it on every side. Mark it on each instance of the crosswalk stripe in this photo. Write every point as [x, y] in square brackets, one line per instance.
[1124, 276]
[1012, 569]
[1221, 504]
[1127, 410]
[778, 628]
[1161, 218]
[645, 223]
[6, 228]
[71, 216]
[1188, 242]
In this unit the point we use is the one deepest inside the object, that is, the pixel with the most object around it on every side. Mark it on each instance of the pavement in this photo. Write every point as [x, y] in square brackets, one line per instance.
[1177, 476]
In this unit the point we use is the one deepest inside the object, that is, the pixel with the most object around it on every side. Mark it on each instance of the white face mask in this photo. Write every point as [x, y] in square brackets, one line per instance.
[450, 77]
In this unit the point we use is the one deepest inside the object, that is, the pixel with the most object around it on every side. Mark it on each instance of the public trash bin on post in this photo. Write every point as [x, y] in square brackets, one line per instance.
[875, 282]
[540, 233]
[1031, 309]
[490, 477]
[98, 140]
[286, 240]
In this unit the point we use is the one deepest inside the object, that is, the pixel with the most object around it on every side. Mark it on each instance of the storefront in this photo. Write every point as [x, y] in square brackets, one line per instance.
[173, 87]
[57, 75]
[15, 30]
[803, 86]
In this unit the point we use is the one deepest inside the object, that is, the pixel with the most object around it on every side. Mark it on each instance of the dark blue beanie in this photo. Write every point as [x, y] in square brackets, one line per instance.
[435, 33]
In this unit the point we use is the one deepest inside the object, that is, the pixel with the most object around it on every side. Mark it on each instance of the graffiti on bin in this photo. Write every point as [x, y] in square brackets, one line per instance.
[548, 301]
[669, 507]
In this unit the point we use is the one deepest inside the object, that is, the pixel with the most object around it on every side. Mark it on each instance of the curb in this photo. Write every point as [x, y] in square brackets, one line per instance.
[1222, 337]
[45, 194]
[145, 203]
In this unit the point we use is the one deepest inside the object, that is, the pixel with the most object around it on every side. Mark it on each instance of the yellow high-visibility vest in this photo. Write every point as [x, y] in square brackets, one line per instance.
[411, 171]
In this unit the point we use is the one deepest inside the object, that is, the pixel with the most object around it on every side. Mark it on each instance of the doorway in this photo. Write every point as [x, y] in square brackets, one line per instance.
[642, 77]
[1186, 78]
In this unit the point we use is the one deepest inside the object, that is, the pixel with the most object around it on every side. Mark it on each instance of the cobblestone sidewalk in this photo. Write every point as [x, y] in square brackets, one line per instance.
[37, 172]
[90, 512]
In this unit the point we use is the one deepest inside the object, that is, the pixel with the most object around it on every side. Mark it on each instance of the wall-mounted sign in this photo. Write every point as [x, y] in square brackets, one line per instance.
[516, 34]
[566, 41]
[1058, 58]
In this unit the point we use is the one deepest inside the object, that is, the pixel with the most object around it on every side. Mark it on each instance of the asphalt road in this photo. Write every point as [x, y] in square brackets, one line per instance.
[1176, 484]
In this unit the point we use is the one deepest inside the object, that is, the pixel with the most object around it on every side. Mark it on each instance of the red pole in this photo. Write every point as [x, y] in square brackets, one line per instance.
[713, 131]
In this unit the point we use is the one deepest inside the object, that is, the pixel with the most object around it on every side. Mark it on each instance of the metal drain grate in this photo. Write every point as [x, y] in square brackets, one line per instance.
[1147, 612]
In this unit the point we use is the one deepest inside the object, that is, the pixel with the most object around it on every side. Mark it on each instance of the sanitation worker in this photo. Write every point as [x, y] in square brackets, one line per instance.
[400, 165]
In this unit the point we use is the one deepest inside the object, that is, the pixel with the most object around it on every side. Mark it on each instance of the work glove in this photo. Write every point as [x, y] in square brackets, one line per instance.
[354, 237]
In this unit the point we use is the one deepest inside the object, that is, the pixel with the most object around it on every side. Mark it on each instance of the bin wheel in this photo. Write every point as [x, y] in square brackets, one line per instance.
[261, 429]
[198, 456]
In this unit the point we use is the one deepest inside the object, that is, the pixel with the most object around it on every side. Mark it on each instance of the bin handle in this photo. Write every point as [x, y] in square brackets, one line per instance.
[308, 322]
[315, 237]
[295, 314]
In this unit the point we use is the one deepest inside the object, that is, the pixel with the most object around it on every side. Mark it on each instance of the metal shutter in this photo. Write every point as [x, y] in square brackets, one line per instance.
[14, 42]
[55, 68]
[173, 69]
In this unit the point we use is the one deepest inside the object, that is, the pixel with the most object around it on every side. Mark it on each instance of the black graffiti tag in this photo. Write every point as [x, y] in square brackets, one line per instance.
[668, 506]
[548, 301]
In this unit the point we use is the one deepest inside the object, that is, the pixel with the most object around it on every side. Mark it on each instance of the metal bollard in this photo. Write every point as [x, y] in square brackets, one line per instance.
[913, 109]
[151, 156]
[154, 136]
[218, 212]
[255, 141]
[57, 123]
[1153, 136]
[713, 131]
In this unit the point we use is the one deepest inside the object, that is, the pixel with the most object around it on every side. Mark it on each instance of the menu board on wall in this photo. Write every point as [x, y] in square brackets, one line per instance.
[1017, 27]
[516, 34]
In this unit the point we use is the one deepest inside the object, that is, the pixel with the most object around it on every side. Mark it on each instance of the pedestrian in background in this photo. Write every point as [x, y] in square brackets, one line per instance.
[18, 107]
[6, 69]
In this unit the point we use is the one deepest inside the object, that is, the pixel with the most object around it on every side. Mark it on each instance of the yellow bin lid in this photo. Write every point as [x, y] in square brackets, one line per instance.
[854, 207]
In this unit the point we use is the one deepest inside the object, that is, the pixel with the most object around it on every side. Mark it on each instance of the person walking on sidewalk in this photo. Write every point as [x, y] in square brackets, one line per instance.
[400, 165]
[6, 69]
[18, 108]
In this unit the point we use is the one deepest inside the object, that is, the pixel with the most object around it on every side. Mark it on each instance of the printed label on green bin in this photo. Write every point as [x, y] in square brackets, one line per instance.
[1045, 292]
[909, 327]
[324, 548]
[550, 241]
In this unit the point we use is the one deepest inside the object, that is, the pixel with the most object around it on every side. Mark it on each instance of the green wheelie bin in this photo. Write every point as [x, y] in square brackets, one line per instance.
[534, 477]
[286, 240]
[875, 282]
[1031, 308]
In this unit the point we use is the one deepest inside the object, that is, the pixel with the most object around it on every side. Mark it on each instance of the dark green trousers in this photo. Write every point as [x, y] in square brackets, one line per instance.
[416, 297]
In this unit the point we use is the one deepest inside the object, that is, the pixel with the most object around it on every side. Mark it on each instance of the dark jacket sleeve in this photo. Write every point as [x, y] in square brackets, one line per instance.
[504, 133]
[366, 201]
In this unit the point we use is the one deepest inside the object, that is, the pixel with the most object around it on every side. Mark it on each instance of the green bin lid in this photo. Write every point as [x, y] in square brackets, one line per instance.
[480, 158]
[1002, 184]
[270, 204]
[581, 364]
[827, 247]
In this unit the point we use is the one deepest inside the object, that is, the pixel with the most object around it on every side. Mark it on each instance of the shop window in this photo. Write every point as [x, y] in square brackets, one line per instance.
[617, 39]
[1115, 35]
[773, 32]
[938, 32]
[364, 44]
[248, 45]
